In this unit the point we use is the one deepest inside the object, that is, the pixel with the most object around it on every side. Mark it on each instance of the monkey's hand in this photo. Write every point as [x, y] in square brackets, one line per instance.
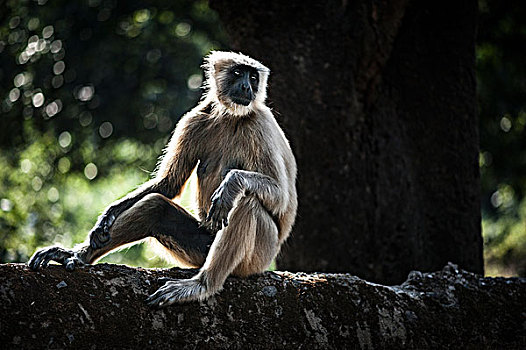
[100, 233]
[175, 291]
[44, 256]
[222, 202]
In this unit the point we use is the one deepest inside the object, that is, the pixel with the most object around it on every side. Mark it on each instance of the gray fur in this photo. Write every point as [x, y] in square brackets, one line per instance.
[246, 191]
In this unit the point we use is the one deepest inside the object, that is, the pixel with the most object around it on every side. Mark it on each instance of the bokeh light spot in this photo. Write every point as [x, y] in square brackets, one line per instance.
[85, 118]
[56, 46]
[53, 108]
[25, 165]
[496, 199]
[194, 81]
[38, 99]
[53, 195]
[21, 79]
[57, 81]
[142, 16]
[153, 55]
[164, 124]
[14, 22]
[64, 165]
[36, 183]
[41, 45]
[183, 29]
[90, 171]
[14, 94]
[64, 139]
[47, 32]
[150, 121]
[33, 23]
[6, 204]
[505, 124]
[105, 130]
[85, 93]
[58, 68]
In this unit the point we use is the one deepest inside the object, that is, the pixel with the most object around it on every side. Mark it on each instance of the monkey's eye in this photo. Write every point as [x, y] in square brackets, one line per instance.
[237, 72]
[253, 77]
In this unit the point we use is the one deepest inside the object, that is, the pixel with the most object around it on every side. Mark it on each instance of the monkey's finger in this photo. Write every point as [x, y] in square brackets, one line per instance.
[151, 300]
[108, 222]
[42, 261]
[157, 299]
[94, 237]
[94, 243]
[211, 212]
[98, 238]
[70, 264]
[165, 296]
[218, 224]
[214, 224]
[104, 234]
[111, 220]
[157, 302]
[34, 262]
[153, 296]
[165, 279]
[41, 258]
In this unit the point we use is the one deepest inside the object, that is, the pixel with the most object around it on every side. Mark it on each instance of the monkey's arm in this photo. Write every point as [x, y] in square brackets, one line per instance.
[174, 171]
[99, 234]
[238, 182]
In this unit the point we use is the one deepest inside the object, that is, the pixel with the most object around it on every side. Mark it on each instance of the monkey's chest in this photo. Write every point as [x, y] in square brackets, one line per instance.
[217, 163]
[244, 151]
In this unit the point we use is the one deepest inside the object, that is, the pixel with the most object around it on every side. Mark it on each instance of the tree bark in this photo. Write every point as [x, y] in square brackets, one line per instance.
[103, 307]
[378, 100]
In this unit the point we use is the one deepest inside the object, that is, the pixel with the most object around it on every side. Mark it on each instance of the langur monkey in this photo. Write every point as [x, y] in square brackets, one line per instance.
[246, 189]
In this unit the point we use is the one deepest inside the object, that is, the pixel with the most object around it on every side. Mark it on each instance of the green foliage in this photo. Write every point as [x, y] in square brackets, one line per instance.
[90, 89]
[89, 92]
[501, 73]
[46, 203]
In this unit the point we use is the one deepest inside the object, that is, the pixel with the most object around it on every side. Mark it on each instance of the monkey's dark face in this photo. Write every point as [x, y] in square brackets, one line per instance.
[241, 84]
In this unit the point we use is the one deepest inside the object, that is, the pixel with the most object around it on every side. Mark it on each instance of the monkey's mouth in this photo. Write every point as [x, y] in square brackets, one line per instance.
[241, 100]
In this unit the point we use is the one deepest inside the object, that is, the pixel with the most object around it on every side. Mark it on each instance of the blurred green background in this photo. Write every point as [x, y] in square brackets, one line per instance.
[90, 90]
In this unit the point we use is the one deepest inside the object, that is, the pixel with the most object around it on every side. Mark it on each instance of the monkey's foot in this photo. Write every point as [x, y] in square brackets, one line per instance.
[175, 291]
[44, 256]
[163, 280]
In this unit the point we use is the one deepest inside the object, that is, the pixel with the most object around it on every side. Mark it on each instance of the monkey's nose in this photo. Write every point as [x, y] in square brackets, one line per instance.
[245, 87]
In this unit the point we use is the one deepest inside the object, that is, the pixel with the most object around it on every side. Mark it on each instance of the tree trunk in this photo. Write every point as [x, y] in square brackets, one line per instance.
[103, 307]
[378, 100]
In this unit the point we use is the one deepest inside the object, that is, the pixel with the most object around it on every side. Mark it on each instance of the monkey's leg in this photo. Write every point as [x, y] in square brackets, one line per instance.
[246, 246]
[155, 216]
[266, 247]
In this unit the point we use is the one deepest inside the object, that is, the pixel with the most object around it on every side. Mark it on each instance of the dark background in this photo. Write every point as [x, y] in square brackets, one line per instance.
[90, 91]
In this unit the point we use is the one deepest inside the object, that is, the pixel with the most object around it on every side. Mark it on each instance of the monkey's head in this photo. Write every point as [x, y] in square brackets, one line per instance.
[235, 81]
